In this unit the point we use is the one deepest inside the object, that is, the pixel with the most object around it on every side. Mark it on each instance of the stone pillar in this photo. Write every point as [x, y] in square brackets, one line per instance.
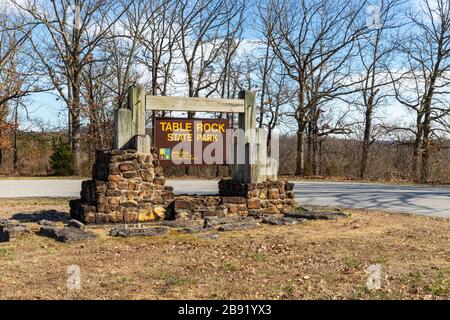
[126, 187]
[269, 197]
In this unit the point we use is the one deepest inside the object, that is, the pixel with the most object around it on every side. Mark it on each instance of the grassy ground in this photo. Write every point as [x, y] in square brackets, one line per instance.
[315, 260]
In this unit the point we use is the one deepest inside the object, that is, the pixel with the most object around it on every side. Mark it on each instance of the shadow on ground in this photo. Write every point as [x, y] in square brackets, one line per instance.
[409, 199]
[49, 215]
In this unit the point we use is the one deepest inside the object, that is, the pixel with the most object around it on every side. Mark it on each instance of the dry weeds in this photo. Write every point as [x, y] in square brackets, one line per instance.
[315, 260]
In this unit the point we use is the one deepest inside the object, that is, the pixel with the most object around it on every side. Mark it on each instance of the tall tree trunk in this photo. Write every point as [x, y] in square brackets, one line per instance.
[310, 153]
[313, 138]
[299, 164]
[269, 141]
[366, 142]
[417, 148]
[315, 164]
[301, 126]
[264, 85]
[96, 131]
[425, 172]
[16, 125]
[76, 69]
[319, 143]
[369, 104]
[69, 113]
[1, 149]
[76, 129]
[191, 91]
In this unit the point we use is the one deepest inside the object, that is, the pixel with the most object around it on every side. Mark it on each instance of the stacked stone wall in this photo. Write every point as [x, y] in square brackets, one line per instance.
[127, 187]
[238, 199]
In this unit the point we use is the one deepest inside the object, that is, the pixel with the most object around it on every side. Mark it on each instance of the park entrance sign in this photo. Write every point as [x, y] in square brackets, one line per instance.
[246, 147]
[191, 141]
[128, 184]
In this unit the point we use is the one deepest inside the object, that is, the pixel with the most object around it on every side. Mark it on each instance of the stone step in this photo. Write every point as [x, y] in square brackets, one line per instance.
[138, 232]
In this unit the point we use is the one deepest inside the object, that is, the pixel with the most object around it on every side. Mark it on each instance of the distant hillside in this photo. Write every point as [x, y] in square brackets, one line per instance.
[338, 158]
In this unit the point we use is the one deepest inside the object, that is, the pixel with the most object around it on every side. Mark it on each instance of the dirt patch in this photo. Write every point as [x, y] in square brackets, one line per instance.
[311, 260]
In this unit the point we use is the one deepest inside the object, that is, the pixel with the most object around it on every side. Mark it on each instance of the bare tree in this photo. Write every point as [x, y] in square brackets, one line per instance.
[425, 84]
[98, 101]
[314, 40]
[376, 51]
[275, 90]
[19, 75]
[158, 43]
[69, 33]
[206, 28]
[19, 72]
[272, 79]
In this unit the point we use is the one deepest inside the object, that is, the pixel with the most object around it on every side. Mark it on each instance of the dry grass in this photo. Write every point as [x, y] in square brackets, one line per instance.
[315, 260]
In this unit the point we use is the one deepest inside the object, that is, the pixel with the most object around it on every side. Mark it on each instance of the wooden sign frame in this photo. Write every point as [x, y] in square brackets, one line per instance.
[129, 126]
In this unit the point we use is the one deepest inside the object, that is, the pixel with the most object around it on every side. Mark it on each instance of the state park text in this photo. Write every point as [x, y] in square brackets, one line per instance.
[184, 141]
[181, 141]
[184, 131]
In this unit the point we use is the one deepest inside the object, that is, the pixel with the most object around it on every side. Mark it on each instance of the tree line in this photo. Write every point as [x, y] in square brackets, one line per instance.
[368, 71]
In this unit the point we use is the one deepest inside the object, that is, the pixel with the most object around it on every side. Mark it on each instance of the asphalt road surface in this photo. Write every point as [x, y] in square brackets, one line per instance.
[424, 200]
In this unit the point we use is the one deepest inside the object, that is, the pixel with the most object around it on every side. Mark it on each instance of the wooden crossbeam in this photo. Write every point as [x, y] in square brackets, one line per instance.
[158, 103]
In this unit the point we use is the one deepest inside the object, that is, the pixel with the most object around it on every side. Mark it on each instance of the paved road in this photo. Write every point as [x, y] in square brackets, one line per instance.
[433, 201]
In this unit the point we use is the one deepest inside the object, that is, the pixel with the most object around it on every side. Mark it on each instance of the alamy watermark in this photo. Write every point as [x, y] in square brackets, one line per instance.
[374, 277]
[73, 277]
[234, 146]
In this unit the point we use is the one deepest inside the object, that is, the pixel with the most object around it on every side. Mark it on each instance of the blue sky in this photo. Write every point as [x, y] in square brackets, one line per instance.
[46, 108]
[52, 112]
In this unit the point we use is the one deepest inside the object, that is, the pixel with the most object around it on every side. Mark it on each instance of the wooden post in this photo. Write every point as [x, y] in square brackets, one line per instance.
[136, 103]
[123, 127]
[247, 172]
[129, 123]
[136, 100]
[256, 168]
[247, 119]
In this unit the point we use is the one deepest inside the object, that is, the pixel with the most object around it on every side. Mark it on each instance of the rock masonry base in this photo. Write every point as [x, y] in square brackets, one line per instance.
[129, 187]
[238, 199]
